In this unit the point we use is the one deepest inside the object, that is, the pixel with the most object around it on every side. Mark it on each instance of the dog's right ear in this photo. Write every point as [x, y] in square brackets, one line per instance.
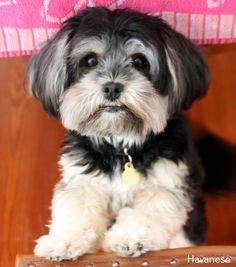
[47, 70]
[47, 73]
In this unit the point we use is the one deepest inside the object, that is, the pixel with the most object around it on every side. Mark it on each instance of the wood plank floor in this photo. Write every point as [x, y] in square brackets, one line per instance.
[30, 140]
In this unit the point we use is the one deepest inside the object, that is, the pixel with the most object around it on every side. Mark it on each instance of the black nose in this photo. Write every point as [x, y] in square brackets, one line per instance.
[112, 91]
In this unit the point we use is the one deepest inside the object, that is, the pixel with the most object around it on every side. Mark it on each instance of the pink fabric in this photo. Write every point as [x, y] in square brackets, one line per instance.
[25, 24]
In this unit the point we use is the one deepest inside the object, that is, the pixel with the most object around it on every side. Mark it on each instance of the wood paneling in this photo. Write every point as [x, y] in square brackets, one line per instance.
[29, 143]
[163, 258]
[217, 112]
[30, 140]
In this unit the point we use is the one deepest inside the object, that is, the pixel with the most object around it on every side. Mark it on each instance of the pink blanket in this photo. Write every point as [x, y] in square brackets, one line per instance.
[25, 24]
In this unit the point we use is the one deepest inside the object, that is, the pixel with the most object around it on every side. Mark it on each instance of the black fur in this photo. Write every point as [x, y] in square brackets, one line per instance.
[172, 145]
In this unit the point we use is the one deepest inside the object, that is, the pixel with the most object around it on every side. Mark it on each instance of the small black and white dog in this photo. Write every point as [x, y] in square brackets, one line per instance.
[131, 179]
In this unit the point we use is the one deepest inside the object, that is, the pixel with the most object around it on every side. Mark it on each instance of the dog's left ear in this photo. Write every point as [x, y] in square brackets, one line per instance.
[187, 67]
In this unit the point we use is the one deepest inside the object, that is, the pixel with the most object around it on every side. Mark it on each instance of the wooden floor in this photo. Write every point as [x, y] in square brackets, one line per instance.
[30, 140]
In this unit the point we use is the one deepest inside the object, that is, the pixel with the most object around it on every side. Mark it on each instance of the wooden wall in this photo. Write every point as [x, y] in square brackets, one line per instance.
[30, 140]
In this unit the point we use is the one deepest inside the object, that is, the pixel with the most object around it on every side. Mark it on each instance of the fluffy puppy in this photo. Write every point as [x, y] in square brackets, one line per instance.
[131, 179]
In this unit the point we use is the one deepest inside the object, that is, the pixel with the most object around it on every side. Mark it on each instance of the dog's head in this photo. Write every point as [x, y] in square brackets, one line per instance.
[120, 73]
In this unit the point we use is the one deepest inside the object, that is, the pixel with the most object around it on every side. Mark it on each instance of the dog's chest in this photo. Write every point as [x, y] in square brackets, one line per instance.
[121, 194]
[164, 175]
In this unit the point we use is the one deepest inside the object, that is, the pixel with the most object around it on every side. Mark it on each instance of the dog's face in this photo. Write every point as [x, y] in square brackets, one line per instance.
[113, 92]
[119, 73]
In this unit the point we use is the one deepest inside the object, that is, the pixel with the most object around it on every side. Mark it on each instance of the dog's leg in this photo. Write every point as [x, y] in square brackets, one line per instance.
[156, 216]
[79, 220]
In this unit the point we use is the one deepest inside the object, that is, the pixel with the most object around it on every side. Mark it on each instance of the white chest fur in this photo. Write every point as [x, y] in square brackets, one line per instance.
[163, 175]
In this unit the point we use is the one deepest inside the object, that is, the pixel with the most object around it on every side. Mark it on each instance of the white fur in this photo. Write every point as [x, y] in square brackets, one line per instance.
[149, 216]
[180, 240]
[172, 68]
[80, 104]
[82, 101]
[116, 141]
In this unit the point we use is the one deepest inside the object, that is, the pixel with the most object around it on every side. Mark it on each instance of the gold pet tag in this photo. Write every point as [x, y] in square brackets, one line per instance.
[130, 176]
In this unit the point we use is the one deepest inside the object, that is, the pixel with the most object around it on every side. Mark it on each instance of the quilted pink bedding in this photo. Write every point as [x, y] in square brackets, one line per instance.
[25, 24]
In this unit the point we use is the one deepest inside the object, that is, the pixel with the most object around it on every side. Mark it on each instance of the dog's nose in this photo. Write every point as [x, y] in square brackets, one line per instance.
[112, 91]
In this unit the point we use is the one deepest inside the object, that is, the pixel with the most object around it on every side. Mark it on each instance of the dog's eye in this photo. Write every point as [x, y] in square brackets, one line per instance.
[90, 61]
[139, 61]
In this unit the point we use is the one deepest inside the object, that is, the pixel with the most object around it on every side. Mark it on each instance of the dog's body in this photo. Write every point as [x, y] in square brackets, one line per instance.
[119, 80]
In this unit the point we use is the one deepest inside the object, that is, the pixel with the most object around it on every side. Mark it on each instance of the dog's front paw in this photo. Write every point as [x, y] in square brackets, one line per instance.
[62, 247]
[128, 243]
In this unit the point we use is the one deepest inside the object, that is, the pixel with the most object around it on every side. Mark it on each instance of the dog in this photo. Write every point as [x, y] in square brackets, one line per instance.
[132, 181]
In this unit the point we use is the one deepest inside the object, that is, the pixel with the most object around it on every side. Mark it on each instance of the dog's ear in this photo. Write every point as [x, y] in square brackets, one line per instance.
[47, 72]
[187, 69]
